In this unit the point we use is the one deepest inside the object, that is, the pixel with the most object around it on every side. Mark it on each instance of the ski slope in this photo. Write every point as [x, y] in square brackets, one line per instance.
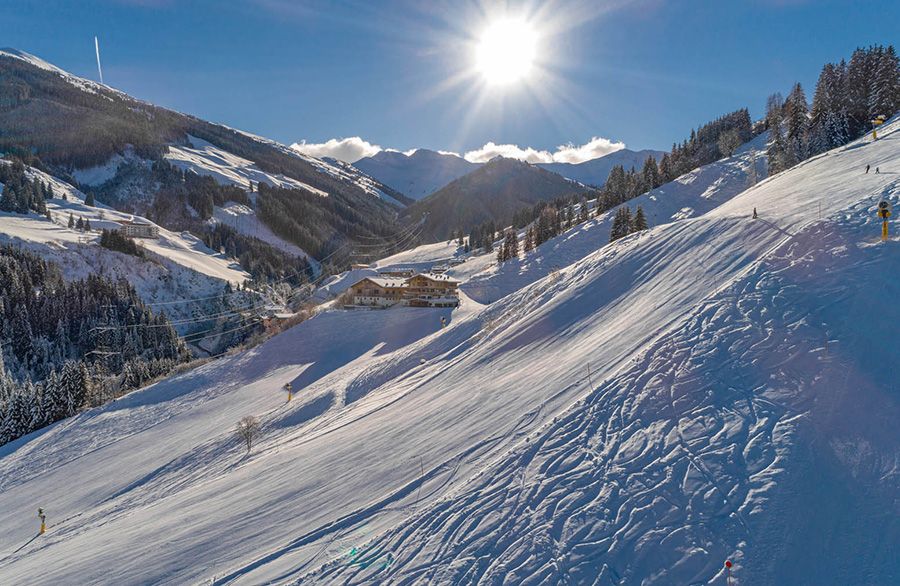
[713, 388]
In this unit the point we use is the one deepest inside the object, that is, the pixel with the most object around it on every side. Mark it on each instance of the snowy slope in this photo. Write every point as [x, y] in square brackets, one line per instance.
[207, 159]
[733, 396]
[690, 195]
[180, 265]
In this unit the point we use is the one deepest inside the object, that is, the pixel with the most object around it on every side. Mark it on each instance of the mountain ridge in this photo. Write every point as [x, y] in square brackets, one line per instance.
[426, 171]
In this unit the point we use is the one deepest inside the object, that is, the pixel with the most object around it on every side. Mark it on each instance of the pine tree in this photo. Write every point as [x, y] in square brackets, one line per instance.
[639, 222]
[74, 385]
[775, 150]
[621, 225]
[883, 95]
[8, 201]
[513, 244]
[651, 173]
[71, 220]
[89, 199]
[797, 123]
[529, 240]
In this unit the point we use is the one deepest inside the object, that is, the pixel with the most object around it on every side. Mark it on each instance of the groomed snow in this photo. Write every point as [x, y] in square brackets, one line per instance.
[734, 408]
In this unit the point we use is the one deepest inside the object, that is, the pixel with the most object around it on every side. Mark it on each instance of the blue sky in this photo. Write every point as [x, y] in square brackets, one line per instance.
[399, 74]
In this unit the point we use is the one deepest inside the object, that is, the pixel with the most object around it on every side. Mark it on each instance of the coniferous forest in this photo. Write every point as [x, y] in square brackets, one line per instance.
[66, 346]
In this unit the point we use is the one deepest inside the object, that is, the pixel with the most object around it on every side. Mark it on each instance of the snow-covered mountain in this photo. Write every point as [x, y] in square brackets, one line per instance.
[424, 172]
[493, 192]
[109, 141]
[418, 174]
[595, 171]
[714, 388]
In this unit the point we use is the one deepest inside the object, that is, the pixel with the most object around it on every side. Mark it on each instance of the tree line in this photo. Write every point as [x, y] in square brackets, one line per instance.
[847, 98]
[20, 193]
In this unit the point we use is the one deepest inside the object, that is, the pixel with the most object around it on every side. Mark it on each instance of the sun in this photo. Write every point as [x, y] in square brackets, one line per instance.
[506, 51]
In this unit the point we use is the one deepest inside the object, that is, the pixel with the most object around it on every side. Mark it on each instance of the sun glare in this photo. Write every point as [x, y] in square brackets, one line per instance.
[506, 51]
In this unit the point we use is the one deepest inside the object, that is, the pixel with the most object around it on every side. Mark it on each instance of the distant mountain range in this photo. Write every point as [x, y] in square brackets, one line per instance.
[418, 174]
[424, 171]
[493, 191]
[595, 171]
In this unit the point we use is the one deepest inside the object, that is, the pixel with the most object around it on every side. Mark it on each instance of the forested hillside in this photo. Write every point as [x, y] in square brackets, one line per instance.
[70, 345]
[494, 192]
[63, 123]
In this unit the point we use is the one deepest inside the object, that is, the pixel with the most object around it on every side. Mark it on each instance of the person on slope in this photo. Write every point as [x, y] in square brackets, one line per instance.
[867, 169]
[754, 214]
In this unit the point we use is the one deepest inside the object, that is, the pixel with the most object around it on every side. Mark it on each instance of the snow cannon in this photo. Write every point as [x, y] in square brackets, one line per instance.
[876, 122]
[884, 212]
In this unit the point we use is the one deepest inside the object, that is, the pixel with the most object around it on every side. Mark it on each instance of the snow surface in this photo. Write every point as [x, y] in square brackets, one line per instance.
[205, 158]
[713, 388]
[245, 221]
[183, 267]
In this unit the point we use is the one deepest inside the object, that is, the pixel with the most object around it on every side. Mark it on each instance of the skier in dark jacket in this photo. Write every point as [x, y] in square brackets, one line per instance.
[867, 169]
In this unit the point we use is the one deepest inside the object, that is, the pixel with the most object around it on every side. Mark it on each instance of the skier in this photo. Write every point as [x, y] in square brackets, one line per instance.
[877, 170]
[867, 169]
[754, 214]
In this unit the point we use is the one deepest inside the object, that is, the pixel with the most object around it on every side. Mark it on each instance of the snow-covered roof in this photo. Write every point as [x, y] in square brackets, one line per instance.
[382, 282]
[435, 277]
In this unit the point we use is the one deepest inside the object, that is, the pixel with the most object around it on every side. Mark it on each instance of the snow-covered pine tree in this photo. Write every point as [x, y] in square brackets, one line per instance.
[883, 96]
[797, 125]
[583, 211]
[74, 385]
[775, 151]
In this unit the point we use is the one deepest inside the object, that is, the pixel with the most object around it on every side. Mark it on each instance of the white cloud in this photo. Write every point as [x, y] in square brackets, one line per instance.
[510, 151]
[354, 148]
[567, 153]
[593, 149]
[349, 150]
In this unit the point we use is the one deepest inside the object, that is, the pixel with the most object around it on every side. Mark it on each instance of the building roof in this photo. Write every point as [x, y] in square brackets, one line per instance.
[382, 282]
[435, 277]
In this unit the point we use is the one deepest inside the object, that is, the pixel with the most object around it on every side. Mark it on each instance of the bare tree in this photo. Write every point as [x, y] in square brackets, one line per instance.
[248, 430]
